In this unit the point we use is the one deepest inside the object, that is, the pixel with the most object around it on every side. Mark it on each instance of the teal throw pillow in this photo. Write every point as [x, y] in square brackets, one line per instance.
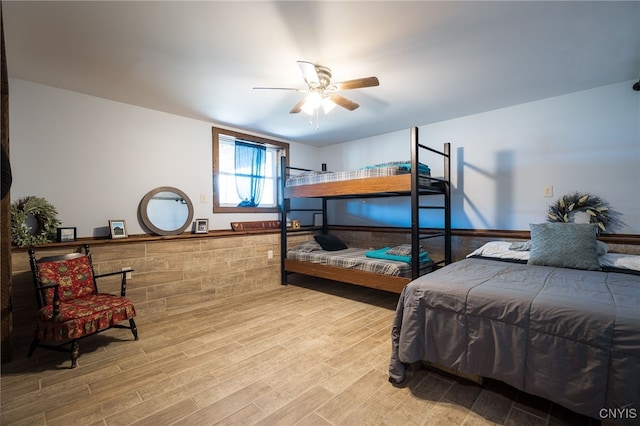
[564, 245]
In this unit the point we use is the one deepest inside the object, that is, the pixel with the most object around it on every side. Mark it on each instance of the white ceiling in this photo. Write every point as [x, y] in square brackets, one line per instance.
[435, 60]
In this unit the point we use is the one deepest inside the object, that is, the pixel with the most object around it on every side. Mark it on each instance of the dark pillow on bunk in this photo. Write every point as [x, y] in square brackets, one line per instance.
[330, 242]
[564, 245]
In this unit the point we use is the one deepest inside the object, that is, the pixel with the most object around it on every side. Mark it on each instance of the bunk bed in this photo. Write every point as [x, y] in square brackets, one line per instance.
[408, 180]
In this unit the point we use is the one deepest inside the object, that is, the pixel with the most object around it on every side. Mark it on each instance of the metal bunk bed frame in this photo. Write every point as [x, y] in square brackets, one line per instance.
[416, 190]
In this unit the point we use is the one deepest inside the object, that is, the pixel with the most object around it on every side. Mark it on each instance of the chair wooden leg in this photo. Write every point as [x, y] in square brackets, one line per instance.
[75, 351]
[134, 329]
[33, 346]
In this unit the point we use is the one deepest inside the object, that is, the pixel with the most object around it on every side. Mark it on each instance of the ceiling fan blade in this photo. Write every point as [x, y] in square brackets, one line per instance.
[358, 83]
[344, 102]
[309, 73]
[298, 107]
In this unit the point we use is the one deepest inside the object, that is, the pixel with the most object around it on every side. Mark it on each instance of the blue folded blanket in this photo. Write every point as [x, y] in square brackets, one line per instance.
[382, 254]
[422, 168]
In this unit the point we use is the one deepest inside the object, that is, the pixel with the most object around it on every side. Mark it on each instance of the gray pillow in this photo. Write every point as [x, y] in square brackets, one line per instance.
[402, 250]
[307, 246]
[564, 245]
[521, 246]
[603, 248]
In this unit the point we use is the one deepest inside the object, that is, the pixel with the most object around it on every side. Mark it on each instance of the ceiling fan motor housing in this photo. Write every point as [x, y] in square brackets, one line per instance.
[324, 76]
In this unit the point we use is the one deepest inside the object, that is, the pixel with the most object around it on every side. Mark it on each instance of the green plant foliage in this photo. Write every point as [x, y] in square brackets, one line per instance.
[567, 205]
[22, 235]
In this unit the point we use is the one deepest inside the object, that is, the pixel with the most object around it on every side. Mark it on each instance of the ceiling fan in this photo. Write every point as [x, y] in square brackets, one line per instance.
[321, 92]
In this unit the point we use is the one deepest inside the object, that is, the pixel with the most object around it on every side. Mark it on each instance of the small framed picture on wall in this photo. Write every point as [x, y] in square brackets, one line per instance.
[118, 228]
[65, 235]
[202, 226]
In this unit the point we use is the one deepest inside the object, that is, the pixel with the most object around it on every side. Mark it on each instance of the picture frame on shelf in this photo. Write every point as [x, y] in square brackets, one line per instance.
[118, 228]
[202, 226]
[66, 234]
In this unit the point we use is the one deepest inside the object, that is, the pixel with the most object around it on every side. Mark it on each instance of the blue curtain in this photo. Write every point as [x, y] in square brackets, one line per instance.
[250, 165]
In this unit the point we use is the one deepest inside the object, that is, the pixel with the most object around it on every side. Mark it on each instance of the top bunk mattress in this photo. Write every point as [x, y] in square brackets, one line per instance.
[378, 170]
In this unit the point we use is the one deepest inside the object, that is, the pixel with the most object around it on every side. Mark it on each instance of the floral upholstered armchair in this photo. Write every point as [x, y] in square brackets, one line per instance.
[70, 306]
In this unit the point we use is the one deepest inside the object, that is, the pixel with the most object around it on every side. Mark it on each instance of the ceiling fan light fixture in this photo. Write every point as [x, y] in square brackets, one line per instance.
[312, 102]
[327, 104]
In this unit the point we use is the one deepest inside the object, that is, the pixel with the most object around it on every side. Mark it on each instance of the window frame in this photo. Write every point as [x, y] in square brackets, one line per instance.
[216, 132]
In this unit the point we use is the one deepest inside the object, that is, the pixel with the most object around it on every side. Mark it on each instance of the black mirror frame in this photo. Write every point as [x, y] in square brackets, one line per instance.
[144, 217]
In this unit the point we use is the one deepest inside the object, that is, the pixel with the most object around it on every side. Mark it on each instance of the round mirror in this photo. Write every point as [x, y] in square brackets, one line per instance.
[166, 211]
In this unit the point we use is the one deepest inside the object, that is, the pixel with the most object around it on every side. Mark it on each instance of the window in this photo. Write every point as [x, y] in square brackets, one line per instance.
[245, 172]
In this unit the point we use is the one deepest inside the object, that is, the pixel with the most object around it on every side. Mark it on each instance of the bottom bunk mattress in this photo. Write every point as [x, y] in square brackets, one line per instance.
[353, 258]
[570, 336]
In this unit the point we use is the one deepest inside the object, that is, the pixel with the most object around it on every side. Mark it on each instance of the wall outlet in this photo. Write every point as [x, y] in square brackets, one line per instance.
[270, 254]
[128, 274]
[548, 191]
[203, 197]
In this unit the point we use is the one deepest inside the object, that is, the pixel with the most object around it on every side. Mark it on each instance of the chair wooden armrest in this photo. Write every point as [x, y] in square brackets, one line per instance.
[56, 298]
[123, 281]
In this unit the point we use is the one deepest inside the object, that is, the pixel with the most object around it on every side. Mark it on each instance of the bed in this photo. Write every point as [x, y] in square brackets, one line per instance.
[532, 320]
[405, 178]
[391, 266]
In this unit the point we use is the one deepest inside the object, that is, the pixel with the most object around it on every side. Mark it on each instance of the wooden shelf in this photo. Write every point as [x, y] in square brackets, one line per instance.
[146, 238]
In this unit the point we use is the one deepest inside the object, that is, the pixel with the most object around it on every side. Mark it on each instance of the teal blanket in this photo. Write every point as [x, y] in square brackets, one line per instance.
[382, 254]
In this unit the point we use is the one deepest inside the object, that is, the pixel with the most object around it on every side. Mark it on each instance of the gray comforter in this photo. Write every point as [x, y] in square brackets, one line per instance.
[567, 335]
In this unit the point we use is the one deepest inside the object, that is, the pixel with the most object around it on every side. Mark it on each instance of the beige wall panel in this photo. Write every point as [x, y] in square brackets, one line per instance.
[173, 289]
[221, 243]
[220, 279]
[107, 252]
[172, 246]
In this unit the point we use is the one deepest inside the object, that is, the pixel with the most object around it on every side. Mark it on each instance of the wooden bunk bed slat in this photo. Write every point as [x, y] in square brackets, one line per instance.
[396, 183]
[390, 283]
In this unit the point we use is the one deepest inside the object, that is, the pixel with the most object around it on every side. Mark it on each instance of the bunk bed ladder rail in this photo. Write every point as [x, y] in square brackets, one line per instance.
[416, 234]
[285, 206]
[282, 204]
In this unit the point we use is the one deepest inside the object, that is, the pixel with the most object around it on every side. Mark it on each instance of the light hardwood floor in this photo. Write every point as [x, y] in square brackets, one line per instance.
[315, 353]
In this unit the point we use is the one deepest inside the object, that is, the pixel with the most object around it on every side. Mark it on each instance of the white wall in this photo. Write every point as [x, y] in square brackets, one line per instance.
[95, 159]
[587, 141]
